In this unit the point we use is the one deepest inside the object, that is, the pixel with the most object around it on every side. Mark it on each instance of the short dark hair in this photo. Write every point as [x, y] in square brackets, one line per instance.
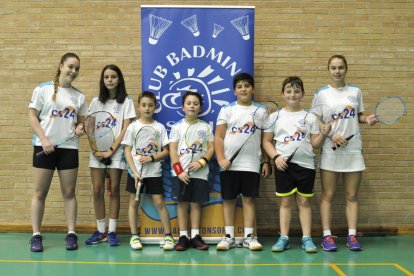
[147, 94]
[243, 76]
[192, 93]
[293, 81]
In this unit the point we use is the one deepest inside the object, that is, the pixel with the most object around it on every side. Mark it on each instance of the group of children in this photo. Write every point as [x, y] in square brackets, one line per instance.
[189, 161]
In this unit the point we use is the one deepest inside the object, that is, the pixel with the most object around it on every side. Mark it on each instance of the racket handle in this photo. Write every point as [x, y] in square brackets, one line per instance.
[138, 191]
[291, 156]
[234, 156]
[39, 154]
[347, 138]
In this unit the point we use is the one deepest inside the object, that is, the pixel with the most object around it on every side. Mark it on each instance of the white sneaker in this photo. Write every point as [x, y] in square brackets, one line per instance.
[251, 242]
[135, 243]
[169, 243]
[226, 243]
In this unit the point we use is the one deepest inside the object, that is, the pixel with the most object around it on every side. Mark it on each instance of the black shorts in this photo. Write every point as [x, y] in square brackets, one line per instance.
[196, 191]
[295, 179]
[151, 185]
[61, 159]
[234, 183]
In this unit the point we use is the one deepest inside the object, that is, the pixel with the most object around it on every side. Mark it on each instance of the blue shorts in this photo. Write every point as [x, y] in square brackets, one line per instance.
[234, 183]
[61, 159]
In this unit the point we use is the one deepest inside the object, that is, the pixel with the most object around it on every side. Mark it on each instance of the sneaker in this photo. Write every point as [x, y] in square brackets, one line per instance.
[226, 243]
[36, 244]
[183, 243]
[112, 239]
[169, 243]
[135, 243]
[96, 237]
[353, 244]
[328, 243]
[251, 242]
[308, 245]
[198, 243]
[281, 245]
[71, 241]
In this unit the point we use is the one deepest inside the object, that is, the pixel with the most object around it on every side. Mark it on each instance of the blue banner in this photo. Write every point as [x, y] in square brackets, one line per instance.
[197, 48]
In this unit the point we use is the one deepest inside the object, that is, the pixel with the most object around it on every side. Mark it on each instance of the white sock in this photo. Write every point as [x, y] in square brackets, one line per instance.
[195, 232]
[248, 231]
[351, 232]
[306, 237]
[71, 232]
[327, 233]
[112, 225]
[283, 236]
[36, 233]
[229, 230]
[100, 223]
[184, 233]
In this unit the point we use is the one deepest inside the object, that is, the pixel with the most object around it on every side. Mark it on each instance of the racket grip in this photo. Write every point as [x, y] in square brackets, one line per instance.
[234, 156]
[138, 191]
[347, 138]
[39, 154]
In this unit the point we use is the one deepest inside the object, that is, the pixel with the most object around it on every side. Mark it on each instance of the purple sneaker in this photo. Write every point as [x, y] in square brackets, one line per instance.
[36, 244]
[328, 243]
[71, 241]
[352, 243]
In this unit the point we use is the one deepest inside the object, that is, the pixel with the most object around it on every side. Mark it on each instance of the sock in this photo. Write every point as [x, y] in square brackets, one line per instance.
[100, 223]
[195, 232]
[248, 231]
[36, 233]
[112, 225]
[327, 233]
[134, 234]
[351, 232]
[229, 230]
[283, 236]
[306, 237]
[72, 232]
[184, 233]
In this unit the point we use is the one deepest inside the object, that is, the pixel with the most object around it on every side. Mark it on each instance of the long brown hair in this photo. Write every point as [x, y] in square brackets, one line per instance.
[57, 76]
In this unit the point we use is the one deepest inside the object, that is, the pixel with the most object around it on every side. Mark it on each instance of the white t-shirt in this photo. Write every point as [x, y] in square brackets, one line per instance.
[289, 131]
[58, 118]
[159, 139]
[240, 126]
[346, 102]
[121, 112]
[198, 135]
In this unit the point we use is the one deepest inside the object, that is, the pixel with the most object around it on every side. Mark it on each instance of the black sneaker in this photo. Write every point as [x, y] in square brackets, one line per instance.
[36, 244]
[198, 243]
[71, 241]
[183, 243]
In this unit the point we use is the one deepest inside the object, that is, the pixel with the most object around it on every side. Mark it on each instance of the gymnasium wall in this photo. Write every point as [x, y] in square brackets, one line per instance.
[291, 38]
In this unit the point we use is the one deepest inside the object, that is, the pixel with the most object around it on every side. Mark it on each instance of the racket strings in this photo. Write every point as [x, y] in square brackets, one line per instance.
[266, 115]
[390, 110]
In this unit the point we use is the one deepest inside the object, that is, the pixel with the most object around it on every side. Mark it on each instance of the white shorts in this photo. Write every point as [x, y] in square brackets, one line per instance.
[117, 162]
[342, 162]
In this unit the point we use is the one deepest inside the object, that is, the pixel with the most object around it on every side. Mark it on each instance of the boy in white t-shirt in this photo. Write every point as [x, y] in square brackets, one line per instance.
[295, 178]
[242, 176]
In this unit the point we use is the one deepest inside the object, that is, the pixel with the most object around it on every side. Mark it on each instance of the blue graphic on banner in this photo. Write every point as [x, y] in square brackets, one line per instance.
[198, 49]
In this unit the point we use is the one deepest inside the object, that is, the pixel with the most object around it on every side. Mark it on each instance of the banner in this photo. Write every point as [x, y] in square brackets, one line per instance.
[197, 48]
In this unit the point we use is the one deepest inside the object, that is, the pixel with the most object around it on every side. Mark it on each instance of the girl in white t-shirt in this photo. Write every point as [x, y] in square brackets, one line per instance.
[346, 102]
[56, 113]
[294, 179]
[114, 99]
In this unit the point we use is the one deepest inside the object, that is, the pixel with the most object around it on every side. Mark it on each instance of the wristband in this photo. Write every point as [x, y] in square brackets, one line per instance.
[202, 162]
[178, 169]
[152, 158]
[205, 159]
[266, 162]
[275, 157]
[111, 148]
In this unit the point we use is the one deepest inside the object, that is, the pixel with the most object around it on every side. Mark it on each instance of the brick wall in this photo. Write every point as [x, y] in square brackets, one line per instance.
[291, 38]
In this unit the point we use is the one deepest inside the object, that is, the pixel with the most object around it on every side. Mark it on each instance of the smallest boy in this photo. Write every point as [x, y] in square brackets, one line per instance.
[242, 176]
[146, 167]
